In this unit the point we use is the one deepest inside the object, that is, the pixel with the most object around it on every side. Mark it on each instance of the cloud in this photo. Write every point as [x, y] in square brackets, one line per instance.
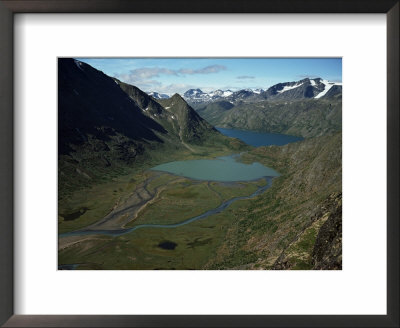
[145, 77]
[244, 77]
[143, 74]
[149, 72]
[204, 70]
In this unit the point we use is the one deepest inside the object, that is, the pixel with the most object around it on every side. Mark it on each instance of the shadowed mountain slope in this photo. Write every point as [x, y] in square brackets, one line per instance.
[91, 103]
[106, 126]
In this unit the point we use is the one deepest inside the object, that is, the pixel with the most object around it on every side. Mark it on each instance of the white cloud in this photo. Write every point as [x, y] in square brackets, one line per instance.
[143, 78]
[145, 74]
[204, 70]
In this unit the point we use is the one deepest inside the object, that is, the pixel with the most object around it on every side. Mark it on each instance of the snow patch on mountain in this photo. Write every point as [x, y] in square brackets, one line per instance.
[328, 85]
[288, 87]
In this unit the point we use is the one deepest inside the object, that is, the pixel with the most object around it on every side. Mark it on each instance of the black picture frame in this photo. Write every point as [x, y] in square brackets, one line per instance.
[10, 7]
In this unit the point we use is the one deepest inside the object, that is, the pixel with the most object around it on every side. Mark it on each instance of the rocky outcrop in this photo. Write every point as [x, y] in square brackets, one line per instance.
[319, 245]
[327, 251]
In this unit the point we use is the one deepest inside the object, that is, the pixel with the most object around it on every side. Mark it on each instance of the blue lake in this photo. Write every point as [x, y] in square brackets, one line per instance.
[258, 139]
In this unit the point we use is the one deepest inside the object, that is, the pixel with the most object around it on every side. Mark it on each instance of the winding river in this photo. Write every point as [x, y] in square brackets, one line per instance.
[206, 214]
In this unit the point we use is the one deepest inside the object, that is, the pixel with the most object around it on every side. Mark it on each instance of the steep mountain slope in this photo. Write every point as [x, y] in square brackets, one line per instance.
[297, 223]
[192, 128]
[215, 111]
[106, 126]
[92, 106]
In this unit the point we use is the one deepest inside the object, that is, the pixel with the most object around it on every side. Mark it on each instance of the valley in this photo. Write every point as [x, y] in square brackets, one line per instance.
[148, 182]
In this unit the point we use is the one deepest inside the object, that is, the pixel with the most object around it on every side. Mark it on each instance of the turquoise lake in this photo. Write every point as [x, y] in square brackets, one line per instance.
[224, 168]
[227, 168]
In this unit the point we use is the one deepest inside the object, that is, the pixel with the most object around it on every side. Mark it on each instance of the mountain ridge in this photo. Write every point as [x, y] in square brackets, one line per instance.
[303, 89]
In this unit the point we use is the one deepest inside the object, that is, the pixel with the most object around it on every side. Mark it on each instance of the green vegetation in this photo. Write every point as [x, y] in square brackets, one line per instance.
[275, 230]
[140, 249]
[101, 197]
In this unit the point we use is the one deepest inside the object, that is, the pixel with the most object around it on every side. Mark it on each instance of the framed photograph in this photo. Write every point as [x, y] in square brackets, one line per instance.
[185, 165]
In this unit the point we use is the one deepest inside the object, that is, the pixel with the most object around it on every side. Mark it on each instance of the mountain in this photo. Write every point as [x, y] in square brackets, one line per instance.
[196, 96]
[192, 128]
[105, 126]
[93, 109]
[307, 108]
[241, 94]
[303, 89]
[157, 95]
[220, 93]
[298, 90]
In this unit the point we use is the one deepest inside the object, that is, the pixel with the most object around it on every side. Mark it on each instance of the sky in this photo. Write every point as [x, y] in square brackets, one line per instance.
[177, 75]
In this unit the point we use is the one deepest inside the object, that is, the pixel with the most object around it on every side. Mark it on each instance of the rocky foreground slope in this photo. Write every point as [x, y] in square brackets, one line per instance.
[297, 223]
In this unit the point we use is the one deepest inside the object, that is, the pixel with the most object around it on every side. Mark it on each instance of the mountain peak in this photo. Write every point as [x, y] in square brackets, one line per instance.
[178, 97]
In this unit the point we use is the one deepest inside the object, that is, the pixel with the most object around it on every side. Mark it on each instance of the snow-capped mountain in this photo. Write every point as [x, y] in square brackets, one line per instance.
[306, 88]
[303, 89]
[220, 93]
[329, 88]
[198, 96]
[157, 95]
